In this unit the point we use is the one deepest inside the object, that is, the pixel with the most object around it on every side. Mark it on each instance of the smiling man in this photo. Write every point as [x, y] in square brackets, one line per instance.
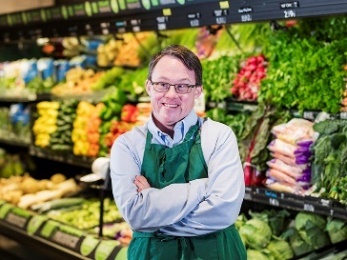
[178, 180]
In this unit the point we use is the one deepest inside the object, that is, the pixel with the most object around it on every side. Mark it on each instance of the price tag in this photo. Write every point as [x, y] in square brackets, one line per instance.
[274, 202]
[246, 18]
[104, 7]
[248, 196]
[309, 115]
[308, 207]
[79, 10]
[18, 217]
[289, 13]
[67, 240]
[343, 115]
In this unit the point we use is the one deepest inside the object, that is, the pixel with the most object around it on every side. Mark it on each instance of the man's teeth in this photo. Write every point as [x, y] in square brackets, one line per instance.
[168, 105]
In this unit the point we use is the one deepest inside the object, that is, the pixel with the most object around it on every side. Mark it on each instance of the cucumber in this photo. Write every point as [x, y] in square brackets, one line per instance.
[57, 204]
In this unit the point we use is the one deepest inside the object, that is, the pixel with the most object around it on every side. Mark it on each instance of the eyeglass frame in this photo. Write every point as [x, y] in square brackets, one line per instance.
[154, 83]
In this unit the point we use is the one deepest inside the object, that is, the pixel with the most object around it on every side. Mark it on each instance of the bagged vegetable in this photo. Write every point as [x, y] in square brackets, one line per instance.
[294, 172]
[297, 161]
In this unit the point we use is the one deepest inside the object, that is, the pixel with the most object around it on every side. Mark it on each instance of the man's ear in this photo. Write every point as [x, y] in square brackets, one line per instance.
[148, 87]
[198, 91]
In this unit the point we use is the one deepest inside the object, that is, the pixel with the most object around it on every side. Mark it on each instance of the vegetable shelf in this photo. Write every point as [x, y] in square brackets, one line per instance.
[53, 238]
[67, 158]
[296, 202]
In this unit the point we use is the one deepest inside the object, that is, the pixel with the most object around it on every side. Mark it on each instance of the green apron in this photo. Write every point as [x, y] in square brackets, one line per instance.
[182, 163]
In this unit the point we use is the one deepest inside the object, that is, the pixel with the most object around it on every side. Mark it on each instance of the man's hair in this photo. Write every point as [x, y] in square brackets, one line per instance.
[186, 56]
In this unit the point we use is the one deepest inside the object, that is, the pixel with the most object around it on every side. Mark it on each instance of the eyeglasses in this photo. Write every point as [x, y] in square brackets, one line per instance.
[179, 88]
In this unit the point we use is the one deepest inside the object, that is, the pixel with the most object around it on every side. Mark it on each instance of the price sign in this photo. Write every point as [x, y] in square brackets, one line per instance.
[79, 10]
[133, 4]
[309, 115]
[18, 217]
[104, 7]
[343, 115]
[289, 14]
[274, 202]
[308, 207]
[162, 21]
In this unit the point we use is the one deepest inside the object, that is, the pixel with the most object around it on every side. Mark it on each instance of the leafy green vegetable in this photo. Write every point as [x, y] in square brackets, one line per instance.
[337, 230]
[257, 233]
[311, 228]
[280, 249]
[256, 255]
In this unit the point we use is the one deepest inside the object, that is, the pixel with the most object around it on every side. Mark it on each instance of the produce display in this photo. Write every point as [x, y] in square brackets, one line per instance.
[46, 122]
[281, 73]
[15, 123]
[247, 82]
[10, 164]
[329, 161]
[25, 191]
[290, 168]
[277, 234]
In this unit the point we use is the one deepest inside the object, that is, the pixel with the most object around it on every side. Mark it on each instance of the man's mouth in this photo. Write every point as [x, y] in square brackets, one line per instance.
[170, 105]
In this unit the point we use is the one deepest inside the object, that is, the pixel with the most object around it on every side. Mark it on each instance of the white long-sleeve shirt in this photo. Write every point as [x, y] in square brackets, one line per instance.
[186, 209]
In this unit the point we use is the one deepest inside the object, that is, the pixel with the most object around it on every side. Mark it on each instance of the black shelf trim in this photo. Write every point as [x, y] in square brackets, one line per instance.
[63, 157]
[296, 202]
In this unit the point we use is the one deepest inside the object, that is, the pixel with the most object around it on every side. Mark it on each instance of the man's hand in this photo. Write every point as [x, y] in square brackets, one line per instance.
[141, 183]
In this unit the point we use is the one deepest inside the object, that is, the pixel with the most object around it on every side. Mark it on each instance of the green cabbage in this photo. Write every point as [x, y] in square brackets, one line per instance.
[298, 245]
[311, 228]
[257, 233]
[304, 219]
[256, 255]
[280, 249]
[337, 230]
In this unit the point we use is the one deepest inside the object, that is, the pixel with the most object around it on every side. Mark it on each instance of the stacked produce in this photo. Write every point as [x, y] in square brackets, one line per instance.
[329, 165]
[277, 234]
[86, 215]
[23, 78]
[10, 165]
[144, 110]
[289, 169]
[15, 123]
[46, 122]
[60, 140]
[25, 191]
[80, 135]
[113, 103]
[129, 49]
[77, 81]
[254, 140]
[217, 77]
[246, 84]
[107, 52]
[93, 132]
[297, 76]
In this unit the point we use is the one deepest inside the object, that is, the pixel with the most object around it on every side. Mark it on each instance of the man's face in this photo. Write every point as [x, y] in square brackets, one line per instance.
[170, 107]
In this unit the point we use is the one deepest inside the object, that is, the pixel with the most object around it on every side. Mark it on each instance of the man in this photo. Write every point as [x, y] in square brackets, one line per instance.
[178, 180]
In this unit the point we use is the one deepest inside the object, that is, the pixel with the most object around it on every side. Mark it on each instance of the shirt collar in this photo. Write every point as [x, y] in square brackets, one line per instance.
[180, 130]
